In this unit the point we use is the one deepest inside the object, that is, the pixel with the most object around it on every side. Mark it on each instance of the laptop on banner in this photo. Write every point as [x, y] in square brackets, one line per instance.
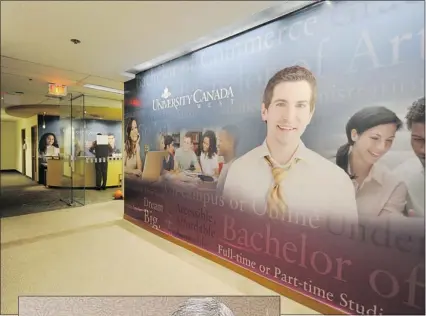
[153, 165]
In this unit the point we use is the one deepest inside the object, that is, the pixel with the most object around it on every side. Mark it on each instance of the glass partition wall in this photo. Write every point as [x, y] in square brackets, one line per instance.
[65, 121]
[82, 117]
[72, 140]
[105, 116]
[78, 153]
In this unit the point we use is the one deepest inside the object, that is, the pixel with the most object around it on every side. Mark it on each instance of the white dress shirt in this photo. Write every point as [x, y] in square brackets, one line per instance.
[413, 175]
[209, 165]
[380, 194]
[314, 185]
[222, 177]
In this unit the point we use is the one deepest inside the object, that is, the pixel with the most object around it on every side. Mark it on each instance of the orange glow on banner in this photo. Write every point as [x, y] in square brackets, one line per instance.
[57, 89]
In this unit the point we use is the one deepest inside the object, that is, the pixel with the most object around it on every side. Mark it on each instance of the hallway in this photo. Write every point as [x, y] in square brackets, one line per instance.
[91, 250]
[20, 196]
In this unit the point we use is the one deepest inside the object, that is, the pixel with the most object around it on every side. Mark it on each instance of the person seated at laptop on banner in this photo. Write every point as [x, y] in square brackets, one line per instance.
[160, 142]
[370, 134]
[185, 158]
[132, 151]
[169, 160]
[228, 141]
[282, 175]
[412, 171]
[208, 158]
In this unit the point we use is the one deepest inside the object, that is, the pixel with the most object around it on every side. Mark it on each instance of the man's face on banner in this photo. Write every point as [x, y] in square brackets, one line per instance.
[418, 141]
[111, 141]
[224, 143]
[187, 143]
[289, 112]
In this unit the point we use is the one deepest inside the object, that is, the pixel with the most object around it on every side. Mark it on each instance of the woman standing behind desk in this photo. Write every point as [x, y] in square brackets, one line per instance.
[47, 147]
[132, 151]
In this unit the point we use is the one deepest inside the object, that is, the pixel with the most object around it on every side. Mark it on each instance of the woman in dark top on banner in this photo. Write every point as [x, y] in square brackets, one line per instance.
[47, 147]
[168, 161]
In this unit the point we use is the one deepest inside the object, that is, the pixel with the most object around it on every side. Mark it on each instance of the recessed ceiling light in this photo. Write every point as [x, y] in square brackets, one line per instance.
[75, 41]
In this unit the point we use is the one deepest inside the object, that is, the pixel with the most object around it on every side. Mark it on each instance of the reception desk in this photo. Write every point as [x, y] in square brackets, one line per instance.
[83, 171]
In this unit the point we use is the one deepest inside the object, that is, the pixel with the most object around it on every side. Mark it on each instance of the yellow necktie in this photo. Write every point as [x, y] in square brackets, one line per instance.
[275, 199]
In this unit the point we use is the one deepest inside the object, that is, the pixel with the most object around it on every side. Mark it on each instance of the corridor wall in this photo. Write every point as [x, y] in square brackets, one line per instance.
[362, 59]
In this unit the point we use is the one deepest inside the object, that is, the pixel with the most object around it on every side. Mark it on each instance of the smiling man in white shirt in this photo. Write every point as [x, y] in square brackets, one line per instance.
[282, 174]
[412, 171]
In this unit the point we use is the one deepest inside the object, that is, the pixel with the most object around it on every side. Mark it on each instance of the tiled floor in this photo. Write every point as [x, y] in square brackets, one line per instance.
[92, 251]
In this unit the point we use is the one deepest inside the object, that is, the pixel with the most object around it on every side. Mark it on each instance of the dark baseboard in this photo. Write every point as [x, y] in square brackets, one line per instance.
[82, 188]
[10, 171]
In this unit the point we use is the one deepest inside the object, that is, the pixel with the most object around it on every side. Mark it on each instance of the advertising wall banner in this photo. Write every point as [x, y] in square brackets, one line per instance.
[295, 151]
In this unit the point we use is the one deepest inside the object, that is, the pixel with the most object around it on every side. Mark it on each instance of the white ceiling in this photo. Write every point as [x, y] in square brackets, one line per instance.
[115, 36]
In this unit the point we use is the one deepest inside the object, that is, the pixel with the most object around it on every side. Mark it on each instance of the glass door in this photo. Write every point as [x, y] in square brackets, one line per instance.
[78, 150]
[65, 148]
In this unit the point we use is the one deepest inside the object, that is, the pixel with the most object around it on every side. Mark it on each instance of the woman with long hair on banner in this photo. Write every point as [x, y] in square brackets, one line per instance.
[208, 158]
[48, 146]
[132, 151]
[370, 133]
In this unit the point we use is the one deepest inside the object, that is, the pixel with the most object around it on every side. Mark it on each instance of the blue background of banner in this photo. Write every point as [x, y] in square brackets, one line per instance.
[351, 47]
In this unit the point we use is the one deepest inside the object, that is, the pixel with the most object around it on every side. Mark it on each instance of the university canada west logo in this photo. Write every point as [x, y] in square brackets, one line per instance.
[198, 97]
[166, 93]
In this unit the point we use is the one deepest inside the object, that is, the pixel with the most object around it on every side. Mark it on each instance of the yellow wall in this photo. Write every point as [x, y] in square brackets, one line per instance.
[27, 124]
[9, 145]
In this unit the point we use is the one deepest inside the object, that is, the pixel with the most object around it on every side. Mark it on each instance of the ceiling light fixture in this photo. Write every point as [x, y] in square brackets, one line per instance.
[44, 123]
[102, 88]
